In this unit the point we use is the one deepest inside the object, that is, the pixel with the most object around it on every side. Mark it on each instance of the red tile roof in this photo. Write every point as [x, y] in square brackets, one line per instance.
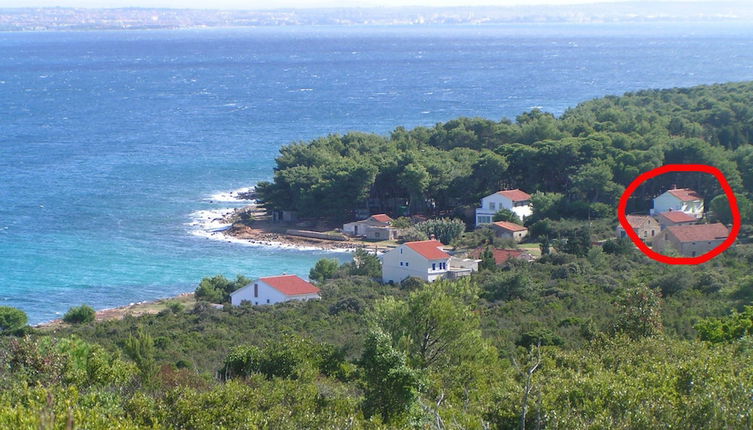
[502, 255]
[511, 226]
[290, 285]
[381, 218]
[678, 216]
[685, 194]
[638, 221]
[429, 249]
[515, 195]
[699, 232]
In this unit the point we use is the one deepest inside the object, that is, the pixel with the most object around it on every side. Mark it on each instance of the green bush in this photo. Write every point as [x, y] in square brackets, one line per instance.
[217, 289]
[80, 314]
[325, 268]
[12, 319]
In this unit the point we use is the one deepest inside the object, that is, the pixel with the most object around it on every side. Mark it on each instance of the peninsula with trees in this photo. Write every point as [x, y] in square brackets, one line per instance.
[566, 326]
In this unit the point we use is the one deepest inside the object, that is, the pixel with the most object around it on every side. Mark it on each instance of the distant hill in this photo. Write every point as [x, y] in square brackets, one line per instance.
[31, 19]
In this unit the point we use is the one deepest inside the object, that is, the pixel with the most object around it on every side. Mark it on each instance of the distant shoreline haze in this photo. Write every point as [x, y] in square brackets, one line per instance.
[66, 18]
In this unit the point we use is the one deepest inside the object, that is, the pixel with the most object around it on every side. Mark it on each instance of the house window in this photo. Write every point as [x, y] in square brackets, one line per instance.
[492, 205]
[406, 264]
[267, 300]
[256, 303]
[484, 219]
[401, 250]
[401, 263]
[256, 290]
[653, 232]
[433, 266]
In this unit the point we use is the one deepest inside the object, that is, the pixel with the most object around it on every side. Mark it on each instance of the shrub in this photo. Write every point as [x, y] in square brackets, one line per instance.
[217, 289]
[176, 307]
[540, 336]
[507, 215]
[412, 234]
[80, 314]
[444, 230]
[324, 269]
[12, 319]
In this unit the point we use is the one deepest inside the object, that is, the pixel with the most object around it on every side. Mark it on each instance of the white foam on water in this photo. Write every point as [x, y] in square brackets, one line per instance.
[211, 220]
[220, 236]
[231, 196]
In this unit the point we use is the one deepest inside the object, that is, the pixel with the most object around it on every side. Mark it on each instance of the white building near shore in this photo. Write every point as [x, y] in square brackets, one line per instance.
[275, 289]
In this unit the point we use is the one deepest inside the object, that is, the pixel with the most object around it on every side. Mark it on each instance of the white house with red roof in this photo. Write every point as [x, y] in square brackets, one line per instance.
[376, 227]
[691, 240]
[275, 289]
[509, 230]
[515, 200]
[424, 259]
[681, 200]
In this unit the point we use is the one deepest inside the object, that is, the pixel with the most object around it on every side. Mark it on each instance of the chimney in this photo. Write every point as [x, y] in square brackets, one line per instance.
[674, 186]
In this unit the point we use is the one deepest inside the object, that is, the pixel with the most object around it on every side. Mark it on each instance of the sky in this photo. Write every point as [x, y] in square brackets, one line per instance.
[275, 4]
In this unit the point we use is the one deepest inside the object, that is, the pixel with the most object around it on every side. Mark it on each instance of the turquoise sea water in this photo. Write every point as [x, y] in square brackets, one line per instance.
[111, 142]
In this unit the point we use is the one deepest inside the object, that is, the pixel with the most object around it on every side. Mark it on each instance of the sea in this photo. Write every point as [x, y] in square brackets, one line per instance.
[118, 149]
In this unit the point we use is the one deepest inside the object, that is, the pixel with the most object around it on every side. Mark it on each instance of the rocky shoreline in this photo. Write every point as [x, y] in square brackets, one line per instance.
[253, 225]
[133, 309]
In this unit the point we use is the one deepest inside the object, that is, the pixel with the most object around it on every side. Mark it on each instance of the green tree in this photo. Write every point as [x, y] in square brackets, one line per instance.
[639, 313]
[576, 241]
[487, 260]
[390, 385]
[140, 349]
[324, 269]
[80, 314]
[444, 230]
[436, 325]
[415, 179]
[12, 319]
[366, 264]
[507, 215]
[720, 209]
[217, 289]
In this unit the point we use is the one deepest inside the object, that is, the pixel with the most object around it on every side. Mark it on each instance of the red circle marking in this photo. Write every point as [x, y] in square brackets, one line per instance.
[681, 168]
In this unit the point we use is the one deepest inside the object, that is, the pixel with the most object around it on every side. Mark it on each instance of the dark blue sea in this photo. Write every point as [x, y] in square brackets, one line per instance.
[117, 148]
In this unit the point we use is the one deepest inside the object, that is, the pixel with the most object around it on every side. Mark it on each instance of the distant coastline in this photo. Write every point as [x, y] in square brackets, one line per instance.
[83, 19]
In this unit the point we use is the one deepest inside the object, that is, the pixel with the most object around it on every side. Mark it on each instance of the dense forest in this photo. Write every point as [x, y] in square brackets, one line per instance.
[582, 160]
[587, 336]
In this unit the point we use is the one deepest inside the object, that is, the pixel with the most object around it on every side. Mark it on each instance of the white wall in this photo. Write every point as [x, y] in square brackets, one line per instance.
[667, 202]
[267, 295]
[413, 264]
[500, 202]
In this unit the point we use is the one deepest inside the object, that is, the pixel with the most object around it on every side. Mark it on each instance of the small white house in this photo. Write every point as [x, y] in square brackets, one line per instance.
[515, 200]
[426, 260]
[376, 227]
[679, 199]
[275, 289]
